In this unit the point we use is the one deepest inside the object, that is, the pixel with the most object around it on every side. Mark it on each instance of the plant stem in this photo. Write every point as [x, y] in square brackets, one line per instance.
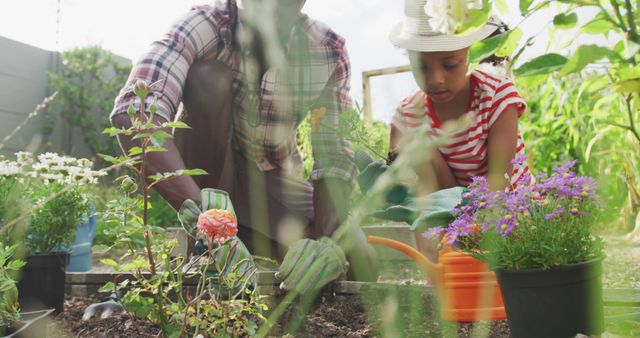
[200, 292]
[632, 26]
[145, 215]
[616, 8]
[632, 123]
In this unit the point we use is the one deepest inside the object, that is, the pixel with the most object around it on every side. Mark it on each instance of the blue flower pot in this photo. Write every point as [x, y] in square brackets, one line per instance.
[81, 250]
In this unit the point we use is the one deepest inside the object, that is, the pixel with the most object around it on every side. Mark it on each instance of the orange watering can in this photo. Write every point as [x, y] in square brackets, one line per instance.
[468, 290]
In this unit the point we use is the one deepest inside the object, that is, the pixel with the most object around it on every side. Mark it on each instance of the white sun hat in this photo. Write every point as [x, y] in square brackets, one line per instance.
[416, 34]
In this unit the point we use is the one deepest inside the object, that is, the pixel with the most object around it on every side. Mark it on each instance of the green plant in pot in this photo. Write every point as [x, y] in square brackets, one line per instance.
[49, 202]
[539, 240]
[9, 308]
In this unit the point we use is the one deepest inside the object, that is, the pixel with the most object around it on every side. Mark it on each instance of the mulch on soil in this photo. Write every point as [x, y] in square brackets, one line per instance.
[70, 324]
[332, 316]
[347, 316]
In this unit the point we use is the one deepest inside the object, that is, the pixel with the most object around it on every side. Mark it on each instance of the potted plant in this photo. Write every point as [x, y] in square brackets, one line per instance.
[50, 202]
[539, 240]
[12, 322]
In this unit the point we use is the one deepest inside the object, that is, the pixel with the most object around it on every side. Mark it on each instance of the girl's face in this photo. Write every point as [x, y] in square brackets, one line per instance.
[442, 75]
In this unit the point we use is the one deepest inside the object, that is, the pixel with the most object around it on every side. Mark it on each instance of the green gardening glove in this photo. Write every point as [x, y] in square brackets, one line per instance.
[435, 209]
[370, 170]
[311, 264]
[399, 213]
[230, 256]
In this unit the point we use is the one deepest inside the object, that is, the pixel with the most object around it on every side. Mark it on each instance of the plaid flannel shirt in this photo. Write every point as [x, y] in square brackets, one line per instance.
[317, 74]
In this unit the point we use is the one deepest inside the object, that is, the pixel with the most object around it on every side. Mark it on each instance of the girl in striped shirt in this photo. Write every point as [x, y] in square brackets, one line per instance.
[448, 92]
[487, 106]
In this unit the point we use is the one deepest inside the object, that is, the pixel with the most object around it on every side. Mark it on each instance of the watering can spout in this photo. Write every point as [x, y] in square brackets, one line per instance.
[433, 270]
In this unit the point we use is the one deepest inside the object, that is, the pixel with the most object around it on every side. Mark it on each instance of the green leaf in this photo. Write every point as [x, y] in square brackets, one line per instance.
[509, 46]
[108, 287]
[139, 136]
[177, 124]
[628, 86]
[135, 151]
[502, 6]
[524, 6]
[597, 26]
[110, 262]
[131, 111]
[194, 172]
[114, 160]
[475, 19]
[100, 248]
[543, 64]
[155, 149]
[631, 49]
[585, 55]
[112, 131]
[180, 172]
[158, 137]
[483, 49]
[6, 285]
[565, 21]
[136, 264]
[16, 265]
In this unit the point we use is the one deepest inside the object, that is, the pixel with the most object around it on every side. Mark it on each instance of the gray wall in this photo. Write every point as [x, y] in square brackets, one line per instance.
[23, 85]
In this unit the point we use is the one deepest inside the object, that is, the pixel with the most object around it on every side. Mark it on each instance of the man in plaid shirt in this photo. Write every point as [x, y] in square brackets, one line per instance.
[245, 94]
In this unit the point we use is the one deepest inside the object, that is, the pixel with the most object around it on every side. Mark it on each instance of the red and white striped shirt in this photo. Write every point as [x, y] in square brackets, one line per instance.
[465, 151]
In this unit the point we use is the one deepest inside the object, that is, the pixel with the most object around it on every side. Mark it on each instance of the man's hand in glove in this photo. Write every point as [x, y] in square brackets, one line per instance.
[330, 202]
[232, 251]
[311, 264]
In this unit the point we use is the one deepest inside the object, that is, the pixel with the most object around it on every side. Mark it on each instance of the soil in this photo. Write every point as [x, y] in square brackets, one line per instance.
[350, 316]
[331, 316]
[70, 324]
[364, 315]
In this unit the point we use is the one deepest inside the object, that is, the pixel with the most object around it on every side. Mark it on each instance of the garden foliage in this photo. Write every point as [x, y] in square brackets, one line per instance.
[87, 82]
[222, 304]
[542, 225]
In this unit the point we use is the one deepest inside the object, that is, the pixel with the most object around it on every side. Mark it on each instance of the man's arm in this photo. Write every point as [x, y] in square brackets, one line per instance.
[194, 36]
[334, 174]
[176, 190]
[334, 167]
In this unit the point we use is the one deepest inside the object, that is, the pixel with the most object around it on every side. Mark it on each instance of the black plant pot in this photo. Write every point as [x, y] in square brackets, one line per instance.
[34, 324]
[558, 302]
[42, 283]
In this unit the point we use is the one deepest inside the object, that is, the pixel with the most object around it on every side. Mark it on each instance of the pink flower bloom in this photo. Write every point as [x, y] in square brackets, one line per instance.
[217, 224]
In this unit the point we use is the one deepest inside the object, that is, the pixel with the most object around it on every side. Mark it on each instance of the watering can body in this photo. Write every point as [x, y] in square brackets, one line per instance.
[468, 290]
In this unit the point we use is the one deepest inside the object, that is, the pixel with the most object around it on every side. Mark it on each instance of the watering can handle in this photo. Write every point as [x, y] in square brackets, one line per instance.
[434, 271]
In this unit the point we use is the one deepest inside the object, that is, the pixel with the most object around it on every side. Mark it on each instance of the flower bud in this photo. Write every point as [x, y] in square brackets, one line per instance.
[129, 185]
[153, 108]
[141, 89]
[131, 111]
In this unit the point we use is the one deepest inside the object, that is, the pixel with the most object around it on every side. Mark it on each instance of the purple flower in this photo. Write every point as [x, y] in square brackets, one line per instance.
[434, 233]
[462, 226]
[478, 187]
[565, 167]
[567, 184]
[506, 225]
[516, 201]
[519, 159]
[554, 214]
